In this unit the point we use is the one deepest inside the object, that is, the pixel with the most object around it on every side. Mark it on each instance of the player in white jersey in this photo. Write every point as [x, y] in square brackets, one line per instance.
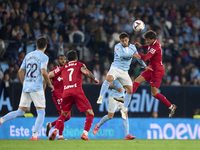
[123, 54]
[32, 73]
[117, 92]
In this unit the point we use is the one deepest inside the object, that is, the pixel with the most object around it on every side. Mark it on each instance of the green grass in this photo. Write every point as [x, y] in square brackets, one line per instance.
[100, 145]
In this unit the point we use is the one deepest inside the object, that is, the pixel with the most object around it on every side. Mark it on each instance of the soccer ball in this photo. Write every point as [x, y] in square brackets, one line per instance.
[138, 25]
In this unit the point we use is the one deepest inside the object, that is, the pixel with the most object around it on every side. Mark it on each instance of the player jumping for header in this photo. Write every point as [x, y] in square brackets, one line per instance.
[155, 62]
[123, 54]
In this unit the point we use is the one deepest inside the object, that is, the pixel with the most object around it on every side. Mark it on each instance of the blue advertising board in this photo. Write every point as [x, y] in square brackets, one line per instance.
[142, 128]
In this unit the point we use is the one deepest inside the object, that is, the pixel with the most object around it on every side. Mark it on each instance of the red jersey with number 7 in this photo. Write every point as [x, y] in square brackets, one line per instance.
[72, 77]
[154, 55]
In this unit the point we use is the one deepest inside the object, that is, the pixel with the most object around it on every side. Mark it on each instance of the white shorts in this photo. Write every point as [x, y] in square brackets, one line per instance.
[37, 98]
[121, 75]
[113, 105]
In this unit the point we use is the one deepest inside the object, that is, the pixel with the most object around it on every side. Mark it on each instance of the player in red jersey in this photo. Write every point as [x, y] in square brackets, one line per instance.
[57, 97]
[72, 73]
[155, 62]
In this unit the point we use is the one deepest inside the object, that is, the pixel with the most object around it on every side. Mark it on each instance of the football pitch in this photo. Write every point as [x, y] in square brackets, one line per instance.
[100, 145]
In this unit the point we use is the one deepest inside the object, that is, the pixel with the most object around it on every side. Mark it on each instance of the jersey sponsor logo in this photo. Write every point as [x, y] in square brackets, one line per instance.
[56, 71]
[117, 48]
[70, 86]
[59, 78]
[152, 50]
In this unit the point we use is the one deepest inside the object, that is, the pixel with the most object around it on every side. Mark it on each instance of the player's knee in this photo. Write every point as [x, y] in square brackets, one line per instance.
[153, 93]
[110, 117]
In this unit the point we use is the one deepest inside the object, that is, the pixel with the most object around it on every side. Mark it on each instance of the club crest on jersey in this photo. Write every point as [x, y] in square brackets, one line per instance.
[45, 64]
[152, 51]
[59, 78]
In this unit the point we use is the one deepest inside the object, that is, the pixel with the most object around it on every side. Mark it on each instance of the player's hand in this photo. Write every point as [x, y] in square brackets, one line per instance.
[96, 81]
[136, 56]
[147, 68]
[120, 90]
[138, 45]
[52, 88]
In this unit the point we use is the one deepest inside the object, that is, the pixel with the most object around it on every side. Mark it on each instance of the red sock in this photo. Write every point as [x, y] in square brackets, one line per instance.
[60, 121]
[88, 122]
[61, 129]
[163, 99]
[135, 86]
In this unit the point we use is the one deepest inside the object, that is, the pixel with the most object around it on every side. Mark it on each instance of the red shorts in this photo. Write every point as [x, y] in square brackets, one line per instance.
[79, 99]
[57, 99]
[155, 77]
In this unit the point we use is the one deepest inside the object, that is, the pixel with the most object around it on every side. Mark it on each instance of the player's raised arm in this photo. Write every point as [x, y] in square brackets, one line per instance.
[89, 74]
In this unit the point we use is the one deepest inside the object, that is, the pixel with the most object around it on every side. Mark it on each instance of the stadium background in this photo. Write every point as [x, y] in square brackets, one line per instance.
[177, 24]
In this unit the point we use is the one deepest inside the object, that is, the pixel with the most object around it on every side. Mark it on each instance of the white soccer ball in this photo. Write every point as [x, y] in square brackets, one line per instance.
[138, 25]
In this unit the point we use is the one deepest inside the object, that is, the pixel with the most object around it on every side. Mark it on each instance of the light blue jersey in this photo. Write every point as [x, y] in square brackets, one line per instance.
[33, 63]
[115, 93]
[123, 56]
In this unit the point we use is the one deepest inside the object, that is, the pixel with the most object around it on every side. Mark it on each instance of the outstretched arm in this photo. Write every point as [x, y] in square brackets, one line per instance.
[85, 71]
[146, 57]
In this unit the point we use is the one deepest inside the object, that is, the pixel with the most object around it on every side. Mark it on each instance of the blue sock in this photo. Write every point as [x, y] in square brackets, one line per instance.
[13, 114]
[126, 126]
[102, 121]
[39, 120]
[104, 87]
[127, 99]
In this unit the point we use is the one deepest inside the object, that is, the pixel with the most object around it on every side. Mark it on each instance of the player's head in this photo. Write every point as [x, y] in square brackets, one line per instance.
[61, 60]
[41, 43]
[150, 37]
[124, 39]
[72, 55]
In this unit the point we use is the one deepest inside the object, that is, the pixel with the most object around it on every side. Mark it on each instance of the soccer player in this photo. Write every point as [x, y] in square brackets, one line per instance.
[123, 53]
[57, 97]
[155, 62]
[117, 92]
[72, 73]
[32, 73]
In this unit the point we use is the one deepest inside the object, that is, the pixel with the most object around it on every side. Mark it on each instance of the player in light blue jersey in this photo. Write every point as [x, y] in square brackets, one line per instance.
[123, 54]
[117, 92]
[32, 74]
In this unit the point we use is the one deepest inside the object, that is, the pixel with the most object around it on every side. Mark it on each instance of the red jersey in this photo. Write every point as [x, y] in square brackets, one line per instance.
[57, 83]
[154, 55]
[72, 77]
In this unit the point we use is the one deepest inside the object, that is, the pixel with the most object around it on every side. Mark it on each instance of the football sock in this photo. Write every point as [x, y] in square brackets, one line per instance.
[35, 134]
[61, 129]
[88, 122]
[85, 132]
[60, 121]
[102, 121]
[127, 99]
[104, 87]
[163, 99]
[126, 126]
[12, 115]
[135, 86]
[39, 120]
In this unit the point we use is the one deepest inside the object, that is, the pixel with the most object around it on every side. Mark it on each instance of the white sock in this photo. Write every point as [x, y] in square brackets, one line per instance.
[85, 132]
[2, 120]
[60, 136]
[35, 134]
[170, 107]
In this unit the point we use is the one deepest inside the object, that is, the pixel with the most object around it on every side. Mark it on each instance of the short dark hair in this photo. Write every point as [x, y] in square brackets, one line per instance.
[150, 34]
[71, 55]
[123, 35]
[41, 42]
[60, 56]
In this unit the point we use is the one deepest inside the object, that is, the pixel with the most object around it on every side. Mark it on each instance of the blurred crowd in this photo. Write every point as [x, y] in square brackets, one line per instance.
[92, 28]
